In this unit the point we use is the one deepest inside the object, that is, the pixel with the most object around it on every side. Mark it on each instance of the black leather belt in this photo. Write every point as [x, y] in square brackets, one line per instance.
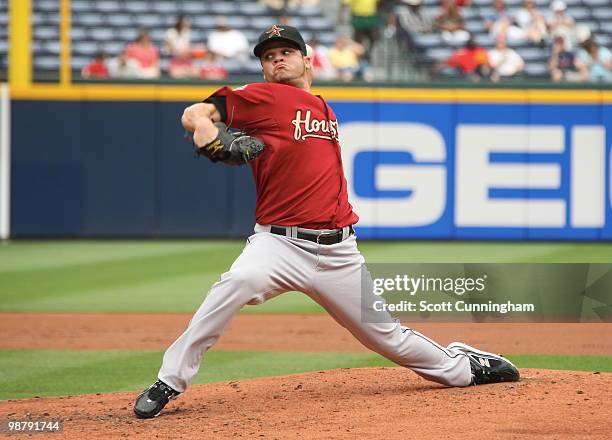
[326, 238]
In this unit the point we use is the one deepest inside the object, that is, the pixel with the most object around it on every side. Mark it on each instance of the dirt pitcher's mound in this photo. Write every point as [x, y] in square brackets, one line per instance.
[369, 403]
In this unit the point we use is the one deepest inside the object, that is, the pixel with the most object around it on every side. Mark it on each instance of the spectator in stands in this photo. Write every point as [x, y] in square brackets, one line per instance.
[501, 22]
[472, 61]
[413, 18]
[178, 37]
[505, 61]
[96, 67]
[123, 66]
[365, 22]
[178, 40]
[561, 23]
[532, 22]
[345, 57]
[144, 51]
[182, 66]
[563, 64]
[450, 23]
[211, 69]
[597, 61]
[321, 64]
[227, 43]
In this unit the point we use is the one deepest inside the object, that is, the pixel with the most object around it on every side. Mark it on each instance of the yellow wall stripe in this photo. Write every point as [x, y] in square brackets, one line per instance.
[20, 38]
[157, 92]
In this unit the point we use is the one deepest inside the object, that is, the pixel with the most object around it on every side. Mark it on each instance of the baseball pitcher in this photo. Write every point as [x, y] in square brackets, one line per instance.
[303, 237]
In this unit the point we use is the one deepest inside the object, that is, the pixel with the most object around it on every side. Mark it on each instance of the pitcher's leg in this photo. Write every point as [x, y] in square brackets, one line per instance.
[339, 292]
[250, 279]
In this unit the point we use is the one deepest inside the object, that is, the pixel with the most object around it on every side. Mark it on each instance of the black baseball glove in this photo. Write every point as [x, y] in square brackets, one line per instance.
[231, 148]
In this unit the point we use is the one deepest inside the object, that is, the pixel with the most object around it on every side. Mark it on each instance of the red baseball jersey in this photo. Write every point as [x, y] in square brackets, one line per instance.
[299, 177]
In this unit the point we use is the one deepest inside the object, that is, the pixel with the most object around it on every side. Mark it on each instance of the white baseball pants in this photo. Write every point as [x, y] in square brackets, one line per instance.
[329, 274]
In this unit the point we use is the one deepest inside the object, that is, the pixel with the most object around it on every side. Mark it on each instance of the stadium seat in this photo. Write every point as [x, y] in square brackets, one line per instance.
[223, 8]
[252, 8]
[127, 34]
[136, 6]
[193, 7]
[88, 48]
[537, 70]
[88, 19]
[113, 47]
[166, 7]
[51, 47]
[580, 14]
[120, 20]
[78, 6]
[102, 34]
[78, 33]
[46, 63]
[107, 6]
[45, 32]
[47, 5]
[428, 40]
[597, 4]
[603, 14]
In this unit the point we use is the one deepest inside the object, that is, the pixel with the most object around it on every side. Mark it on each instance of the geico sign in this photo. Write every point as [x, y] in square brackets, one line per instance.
[400, 175]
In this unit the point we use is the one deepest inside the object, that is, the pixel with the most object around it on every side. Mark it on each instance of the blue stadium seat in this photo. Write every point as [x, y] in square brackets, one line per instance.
[166, 7]
[148, 20]
[428, 40]
[78, 62]
[80, 6]
[45, 32]
[46, 63]
[127, 34]
[46, 5]
[107, 6]
[88, 19]
[113, 47]
[51, 47]
[253, 8]
[598, 4]
[439, 53]
[531, 54]
[606, 27]
[580, 13]
[603, 14]
[38, 18]
[237, 21]
[78, 33]
[319, 24]
[536, 70]
[223, 8]
[193, 7]
[136, 6]
[484, 40]
[88, 48]
[204, 21]
[120, 20]
[102, 34]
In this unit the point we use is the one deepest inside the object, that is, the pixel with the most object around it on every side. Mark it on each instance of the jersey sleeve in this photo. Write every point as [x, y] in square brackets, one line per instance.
[249, 107]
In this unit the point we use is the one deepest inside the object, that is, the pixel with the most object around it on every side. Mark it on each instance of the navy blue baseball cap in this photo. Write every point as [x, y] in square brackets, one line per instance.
[280, 32]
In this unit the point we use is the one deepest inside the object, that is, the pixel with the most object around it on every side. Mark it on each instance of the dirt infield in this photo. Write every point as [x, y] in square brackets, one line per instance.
[390, 403]
[372, 403]
[284, 333]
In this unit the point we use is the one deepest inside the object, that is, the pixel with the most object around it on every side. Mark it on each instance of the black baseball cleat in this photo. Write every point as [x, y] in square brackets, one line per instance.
[487, 367]
[152, 400]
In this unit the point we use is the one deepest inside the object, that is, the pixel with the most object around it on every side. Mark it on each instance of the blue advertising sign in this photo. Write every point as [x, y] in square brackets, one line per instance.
[478, 171]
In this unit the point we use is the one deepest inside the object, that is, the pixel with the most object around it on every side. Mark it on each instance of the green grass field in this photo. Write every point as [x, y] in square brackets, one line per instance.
[173, 276]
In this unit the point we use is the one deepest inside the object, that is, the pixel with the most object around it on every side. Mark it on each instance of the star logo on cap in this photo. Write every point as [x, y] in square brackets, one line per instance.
[274, 31]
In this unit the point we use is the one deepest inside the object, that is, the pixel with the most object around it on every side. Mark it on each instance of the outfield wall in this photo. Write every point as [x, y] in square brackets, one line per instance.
[439, 164]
